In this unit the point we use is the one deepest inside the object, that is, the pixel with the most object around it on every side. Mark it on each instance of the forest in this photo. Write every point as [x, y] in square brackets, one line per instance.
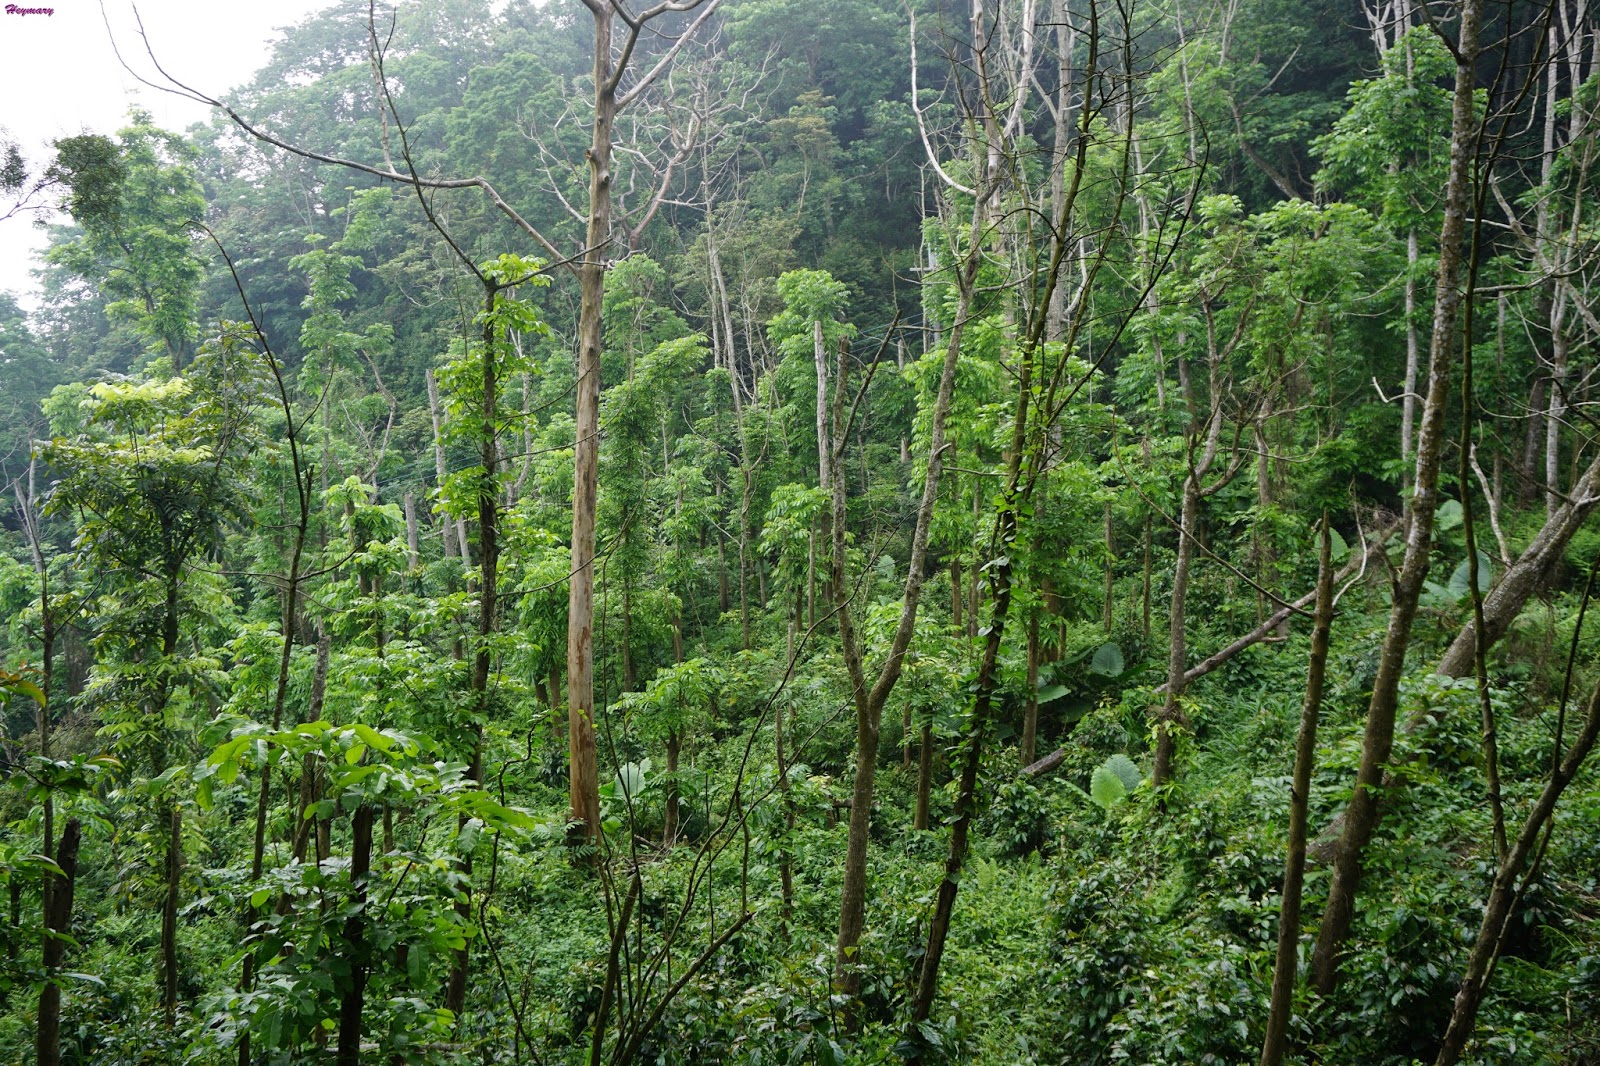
[813, 531]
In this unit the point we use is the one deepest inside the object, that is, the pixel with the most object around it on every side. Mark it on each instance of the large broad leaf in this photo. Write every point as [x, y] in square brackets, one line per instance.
[1050, 692]
[1107, 661]
[1106, 788]
[1338, 548]
[1448, 516]
[1461, 577]
[1436, 596]
[1125, 770]
[630, 778]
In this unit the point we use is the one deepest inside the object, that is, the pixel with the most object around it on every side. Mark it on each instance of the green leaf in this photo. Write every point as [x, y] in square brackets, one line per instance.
[1436, 595]
[1051, 692]
[1461, 577]
[1448, 516]
[631, 778]
[1125, 770]
[1106, 788]
[1339, 549]
[24, 686]
[1107, 661]
[384, 742]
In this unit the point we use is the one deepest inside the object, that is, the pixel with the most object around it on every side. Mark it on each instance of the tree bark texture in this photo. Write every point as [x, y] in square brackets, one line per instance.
[584, 771]
[57, 920]
[1527, 575]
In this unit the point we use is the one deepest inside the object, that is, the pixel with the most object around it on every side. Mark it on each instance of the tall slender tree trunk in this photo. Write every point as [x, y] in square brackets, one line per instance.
[1286, 971]
[629, 678]
[57, 926]
[1149, 523]
[919, 813]
[1363, 813]
[957, 596]
[310, 773]
[353, 1000]
[869, 701]
[1000, 585]
[1171, 714]
[1557, 409]
[584, 770]
[1110, 572]
[288, 623]
[669, 819]
[413, 552]
[746, 495]
[55, 899]
[824, 439]
[488, 606]
[169, 914]
[1408, 401]
[1030, 698]
[723, 599]
[1529, 464]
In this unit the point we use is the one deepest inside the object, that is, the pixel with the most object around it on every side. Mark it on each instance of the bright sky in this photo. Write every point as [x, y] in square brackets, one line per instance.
[59, 76]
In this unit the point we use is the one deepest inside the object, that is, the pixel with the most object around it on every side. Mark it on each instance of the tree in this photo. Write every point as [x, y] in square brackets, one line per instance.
[136, 200]
[1361, 818]
[618, 31]
[150, 470]
[1389, 150]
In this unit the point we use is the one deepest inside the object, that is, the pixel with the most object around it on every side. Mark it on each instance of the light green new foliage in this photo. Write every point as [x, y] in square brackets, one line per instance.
[1113, 780]
[1390, 148]
[809, 297]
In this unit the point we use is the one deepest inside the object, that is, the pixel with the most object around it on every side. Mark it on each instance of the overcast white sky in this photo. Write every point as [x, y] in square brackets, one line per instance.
[59, 76]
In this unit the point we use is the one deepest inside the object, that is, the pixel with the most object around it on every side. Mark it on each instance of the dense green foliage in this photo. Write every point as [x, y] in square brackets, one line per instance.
[270, 406]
